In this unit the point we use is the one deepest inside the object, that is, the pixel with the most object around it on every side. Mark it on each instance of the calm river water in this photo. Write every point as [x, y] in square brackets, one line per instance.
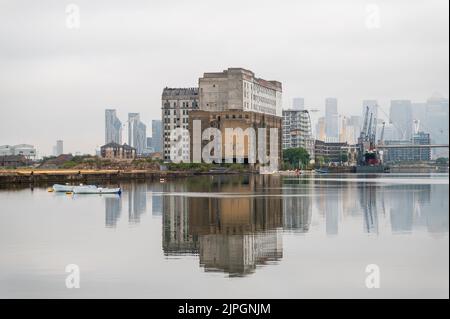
[231, 236]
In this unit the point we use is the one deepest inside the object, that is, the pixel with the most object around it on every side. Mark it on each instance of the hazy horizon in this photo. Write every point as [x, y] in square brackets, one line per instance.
[56, 82]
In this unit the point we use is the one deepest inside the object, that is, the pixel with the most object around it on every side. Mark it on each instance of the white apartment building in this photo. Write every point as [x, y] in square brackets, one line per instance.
[239, 89]
[176, 105]
[26, 150]
[297, 131]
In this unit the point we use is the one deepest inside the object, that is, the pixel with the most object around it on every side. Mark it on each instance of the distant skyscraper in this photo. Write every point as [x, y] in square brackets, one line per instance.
[137, 133]
[402, 119]
[113, 127]
[298, 103]
[331, 120]
[157, 137]
[59, 148]
[320, 129]
[436, 123]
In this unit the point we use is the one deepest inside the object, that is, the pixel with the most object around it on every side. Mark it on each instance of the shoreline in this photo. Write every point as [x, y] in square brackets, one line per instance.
[17, 177]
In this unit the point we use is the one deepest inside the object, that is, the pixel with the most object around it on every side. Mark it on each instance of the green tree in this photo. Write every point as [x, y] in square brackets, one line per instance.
[296, 156]
[320, 160]
[344, 157]
[442, 161]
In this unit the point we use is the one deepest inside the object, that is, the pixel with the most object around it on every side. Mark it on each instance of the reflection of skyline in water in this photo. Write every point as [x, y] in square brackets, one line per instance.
[236, 234]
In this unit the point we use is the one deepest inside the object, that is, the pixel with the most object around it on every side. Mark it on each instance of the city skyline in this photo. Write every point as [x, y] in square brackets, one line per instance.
[98, 66]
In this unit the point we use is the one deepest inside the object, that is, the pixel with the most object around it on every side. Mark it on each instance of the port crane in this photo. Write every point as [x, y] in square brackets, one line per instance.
[368, 154]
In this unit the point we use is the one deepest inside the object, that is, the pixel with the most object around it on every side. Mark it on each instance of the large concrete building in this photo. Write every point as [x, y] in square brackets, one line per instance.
[113, 127]
[177, 103]
[236, 120]
[239, 89]
[297, 131]
[236, 99]
[137, 133]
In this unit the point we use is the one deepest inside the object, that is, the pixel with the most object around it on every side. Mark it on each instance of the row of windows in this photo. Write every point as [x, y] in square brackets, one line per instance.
[264, 90]
[265, 100]
[168, 127]
[176, 112]
[184, 104]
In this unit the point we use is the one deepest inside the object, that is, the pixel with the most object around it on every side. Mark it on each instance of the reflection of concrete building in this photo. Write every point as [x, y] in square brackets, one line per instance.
[230, 234]
[113, 208]
[239, 254]
[177, 238]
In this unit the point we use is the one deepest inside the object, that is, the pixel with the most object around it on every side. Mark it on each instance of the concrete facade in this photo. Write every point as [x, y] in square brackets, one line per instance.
[236, 119]
[176, 105]
[297, 131]
[239, 89]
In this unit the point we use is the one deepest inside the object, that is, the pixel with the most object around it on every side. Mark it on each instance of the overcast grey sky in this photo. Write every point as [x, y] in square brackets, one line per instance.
[55, 81]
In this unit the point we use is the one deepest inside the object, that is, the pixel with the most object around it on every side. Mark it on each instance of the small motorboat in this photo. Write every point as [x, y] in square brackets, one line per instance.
[68, 188]
[96, 190]
[321, 171]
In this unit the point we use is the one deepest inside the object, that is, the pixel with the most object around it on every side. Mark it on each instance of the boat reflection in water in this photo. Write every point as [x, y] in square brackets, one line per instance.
[233, 225]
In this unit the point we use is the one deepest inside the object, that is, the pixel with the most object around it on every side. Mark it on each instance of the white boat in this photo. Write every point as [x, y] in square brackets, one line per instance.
[69, 188]
[267, 170]
[95, 190]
